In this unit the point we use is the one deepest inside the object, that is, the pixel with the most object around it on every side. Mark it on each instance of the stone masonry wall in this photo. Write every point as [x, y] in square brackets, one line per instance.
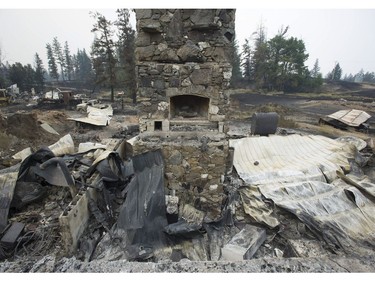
[194, 170]
[183, 52]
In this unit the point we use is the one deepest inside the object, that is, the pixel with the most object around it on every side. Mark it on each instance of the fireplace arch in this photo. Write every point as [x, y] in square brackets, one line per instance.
[189, 106]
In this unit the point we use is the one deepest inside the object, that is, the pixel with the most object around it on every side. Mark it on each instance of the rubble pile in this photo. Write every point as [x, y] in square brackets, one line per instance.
[96, 204]
[28, 129]
[180, 188]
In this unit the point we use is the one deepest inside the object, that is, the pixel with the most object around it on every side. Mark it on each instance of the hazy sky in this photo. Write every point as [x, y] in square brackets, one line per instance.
[341, 33]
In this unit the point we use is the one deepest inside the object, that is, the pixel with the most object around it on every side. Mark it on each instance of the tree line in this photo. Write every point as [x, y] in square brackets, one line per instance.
[110, 63]
[278, 64]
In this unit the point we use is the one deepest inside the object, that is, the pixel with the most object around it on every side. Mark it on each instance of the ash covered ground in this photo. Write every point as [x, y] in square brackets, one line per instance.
[20, 128]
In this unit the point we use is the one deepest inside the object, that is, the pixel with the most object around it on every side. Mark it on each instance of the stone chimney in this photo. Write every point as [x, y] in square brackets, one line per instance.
[183, 70]
[183, 74]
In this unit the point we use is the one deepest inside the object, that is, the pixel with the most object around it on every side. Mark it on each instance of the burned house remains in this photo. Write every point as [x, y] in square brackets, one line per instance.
[183, 74]
[189, 181]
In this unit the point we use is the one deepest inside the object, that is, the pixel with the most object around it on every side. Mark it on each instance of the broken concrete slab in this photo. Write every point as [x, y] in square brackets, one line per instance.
[244, 244]
[74, 220]
[305, 248]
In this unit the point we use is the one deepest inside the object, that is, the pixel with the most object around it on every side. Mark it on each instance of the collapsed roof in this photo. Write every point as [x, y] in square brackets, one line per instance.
[300, 174]
[344, 118]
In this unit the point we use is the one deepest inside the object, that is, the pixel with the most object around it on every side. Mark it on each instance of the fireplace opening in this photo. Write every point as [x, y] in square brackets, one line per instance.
[158, 125]
[189, 106]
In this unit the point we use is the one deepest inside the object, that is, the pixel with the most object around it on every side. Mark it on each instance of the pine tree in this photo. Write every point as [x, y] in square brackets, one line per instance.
[335, 74]
[52, 67]
[260, 57]
[29, 79]
[316, 69]
[103, 54]
[84, 67]
[4, 81]
[68, 61]
[59, 56]
[39, 73]
[235, 60]
[246, 60]
[17, 75]
[287, 62]
[125, 48]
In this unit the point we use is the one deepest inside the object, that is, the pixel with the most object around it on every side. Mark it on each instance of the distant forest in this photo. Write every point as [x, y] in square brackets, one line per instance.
[276, 64]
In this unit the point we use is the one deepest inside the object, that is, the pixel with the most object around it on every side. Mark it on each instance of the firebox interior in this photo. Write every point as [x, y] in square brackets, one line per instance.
[189, 106]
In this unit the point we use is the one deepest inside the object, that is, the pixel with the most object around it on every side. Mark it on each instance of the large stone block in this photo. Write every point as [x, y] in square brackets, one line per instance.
[145, 53]
[150, 26]
[190, 53]
[244, 244]
[201, 76]
[143, 13]
[168, 55]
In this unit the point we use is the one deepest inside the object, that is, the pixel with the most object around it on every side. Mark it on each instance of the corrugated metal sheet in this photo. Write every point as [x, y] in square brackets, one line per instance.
[96, 116]
[7, 186]
[261, 160]
[351, 117]
[338, 212]
[293, 171]
[64, 145]
[143, 214]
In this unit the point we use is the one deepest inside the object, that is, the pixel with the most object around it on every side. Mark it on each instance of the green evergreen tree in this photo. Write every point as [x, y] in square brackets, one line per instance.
[84, 67]
[369, 77]
[316, 69]
[287, 62]
[4, 70]
[68, 61]
[29, 79]
[335, 74]
[39, 73]
[52, 66]
[17, 75]
[260, 58]
[59, 56]
[235, 60]
[246, 60]
[103, 52]
[126, 54]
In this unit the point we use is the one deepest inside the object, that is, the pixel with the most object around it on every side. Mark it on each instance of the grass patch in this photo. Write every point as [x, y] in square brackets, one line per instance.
[287, 123]
[5, 141]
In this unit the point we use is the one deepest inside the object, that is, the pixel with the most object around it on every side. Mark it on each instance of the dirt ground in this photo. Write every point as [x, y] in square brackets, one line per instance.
[20, 128]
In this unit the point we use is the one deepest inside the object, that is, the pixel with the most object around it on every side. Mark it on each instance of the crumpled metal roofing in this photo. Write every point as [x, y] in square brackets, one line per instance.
[7, 186]
[300, 174]
[350, 117]
[262, 160]
[340, 213]
[64, 145]
[96, 116]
